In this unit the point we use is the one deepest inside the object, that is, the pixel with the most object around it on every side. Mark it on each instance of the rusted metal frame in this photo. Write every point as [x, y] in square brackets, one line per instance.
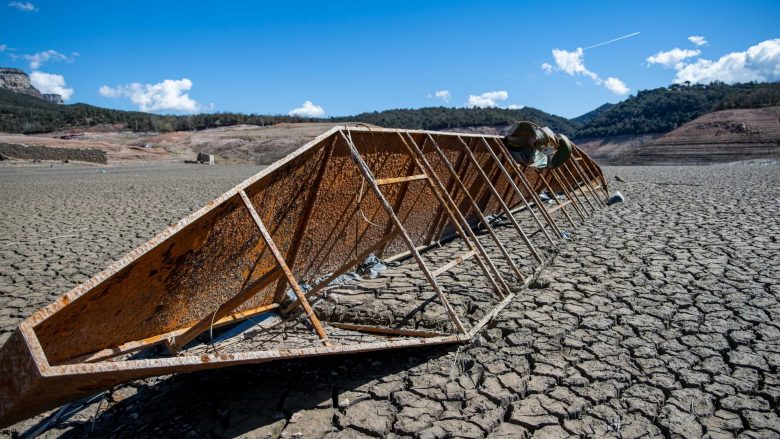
[575, 186]
[343, 269]
[397, 206]
[589, 172]
[576, 202]
[588, 195]
[137, 345]
[501, 202]
[534, 195]
[592, 163]
[458, 220]
[287, 273]
[588, 182]
[486, 224]
[457, 261]
[363, 167]
[559, 205]
[223, 310]
[543, 180]
[292, 254]
[395, 180]
[396, 332]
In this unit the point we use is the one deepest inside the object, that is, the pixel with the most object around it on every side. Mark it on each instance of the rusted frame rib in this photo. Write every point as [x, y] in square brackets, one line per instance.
[363, 167]
[292, 254]
[134, 346]
[394, 180]
[513, 164]
[576, 202]
[537, 201]
[559, 204]
[457, 261]
[599, 176]
[397, 332]
[586, 169]
[575, 185]
[178, 342]
[501, 202]
[344, 268]
[587, 181]
[475, 206]
[283, 265]
[458, 221]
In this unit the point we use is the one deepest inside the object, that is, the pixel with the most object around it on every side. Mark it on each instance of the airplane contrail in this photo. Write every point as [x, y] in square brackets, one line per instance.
[612, 41]
[589, 47]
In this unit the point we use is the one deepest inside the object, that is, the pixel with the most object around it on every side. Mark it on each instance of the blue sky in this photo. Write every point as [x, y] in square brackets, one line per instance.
[346, 58]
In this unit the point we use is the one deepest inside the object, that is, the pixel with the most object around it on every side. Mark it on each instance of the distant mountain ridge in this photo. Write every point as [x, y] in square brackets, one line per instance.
[654, 111]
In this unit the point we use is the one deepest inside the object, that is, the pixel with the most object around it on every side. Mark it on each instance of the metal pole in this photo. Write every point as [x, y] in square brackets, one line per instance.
[363, 167]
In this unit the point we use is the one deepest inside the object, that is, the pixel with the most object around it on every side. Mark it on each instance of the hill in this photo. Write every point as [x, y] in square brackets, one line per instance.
[444, 118]
[591, 115]
[721, 136]
[663, 109]
[20, 113]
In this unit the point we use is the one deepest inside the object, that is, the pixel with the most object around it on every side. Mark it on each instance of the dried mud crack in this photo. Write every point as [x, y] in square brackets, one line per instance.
[659, 318]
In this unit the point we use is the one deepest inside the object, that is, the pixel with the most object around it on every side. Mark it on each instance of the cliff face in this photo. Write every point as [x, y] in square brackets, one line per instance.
[17, 81]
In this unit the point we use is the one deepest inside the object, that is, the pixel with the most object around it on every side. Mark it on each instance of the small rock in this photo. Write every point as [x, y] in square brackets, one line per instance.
[493, 335]
[616, 197]
[617, 178]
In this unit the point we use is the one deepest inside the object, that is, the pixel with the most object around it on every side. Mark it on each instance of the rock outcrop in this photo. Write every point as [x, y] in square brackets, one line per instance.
[52, 97]
[17, 81]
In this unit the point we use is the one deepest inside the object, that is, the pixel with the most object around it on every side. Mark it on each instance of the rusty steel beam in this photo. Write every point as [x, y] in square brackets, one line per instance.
[303, 218]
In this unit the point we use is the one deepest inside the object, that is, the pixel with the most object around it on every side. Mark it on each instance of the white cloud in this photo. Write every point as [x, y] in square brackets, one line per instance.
[616, 86]
[37, 59]
[758, 63]
[672, 58]
[697, 40]
[308, 109]
[25, 7]
[163, 96]
[50, 83]
[515, 107]
[488, 99]
[443, 95]
[573, 63]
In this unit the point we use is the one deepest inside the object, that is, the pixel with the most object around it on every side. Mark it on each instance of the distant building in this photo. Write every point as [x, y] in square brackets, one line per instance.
[206, 159]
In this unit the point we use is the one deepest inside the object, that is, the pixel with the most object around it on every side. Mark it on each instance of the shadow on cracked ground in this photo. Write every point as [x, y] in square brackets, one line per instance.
[658, 318]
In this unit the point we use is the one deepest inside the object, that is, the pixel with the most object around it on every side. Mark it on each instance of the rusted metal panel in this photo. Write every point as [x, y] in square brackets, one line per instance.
[315, 212]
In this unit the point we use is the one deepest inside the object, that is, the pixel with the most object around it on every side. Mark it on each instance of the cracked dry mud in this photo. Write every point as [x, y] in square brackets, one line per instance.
[659, 318]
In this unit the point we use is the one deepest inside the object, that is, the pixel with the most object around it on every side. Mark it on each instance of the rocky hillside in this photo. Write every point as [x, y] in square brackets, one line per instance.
[17, 81]
[664, 109]
[721, 136]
